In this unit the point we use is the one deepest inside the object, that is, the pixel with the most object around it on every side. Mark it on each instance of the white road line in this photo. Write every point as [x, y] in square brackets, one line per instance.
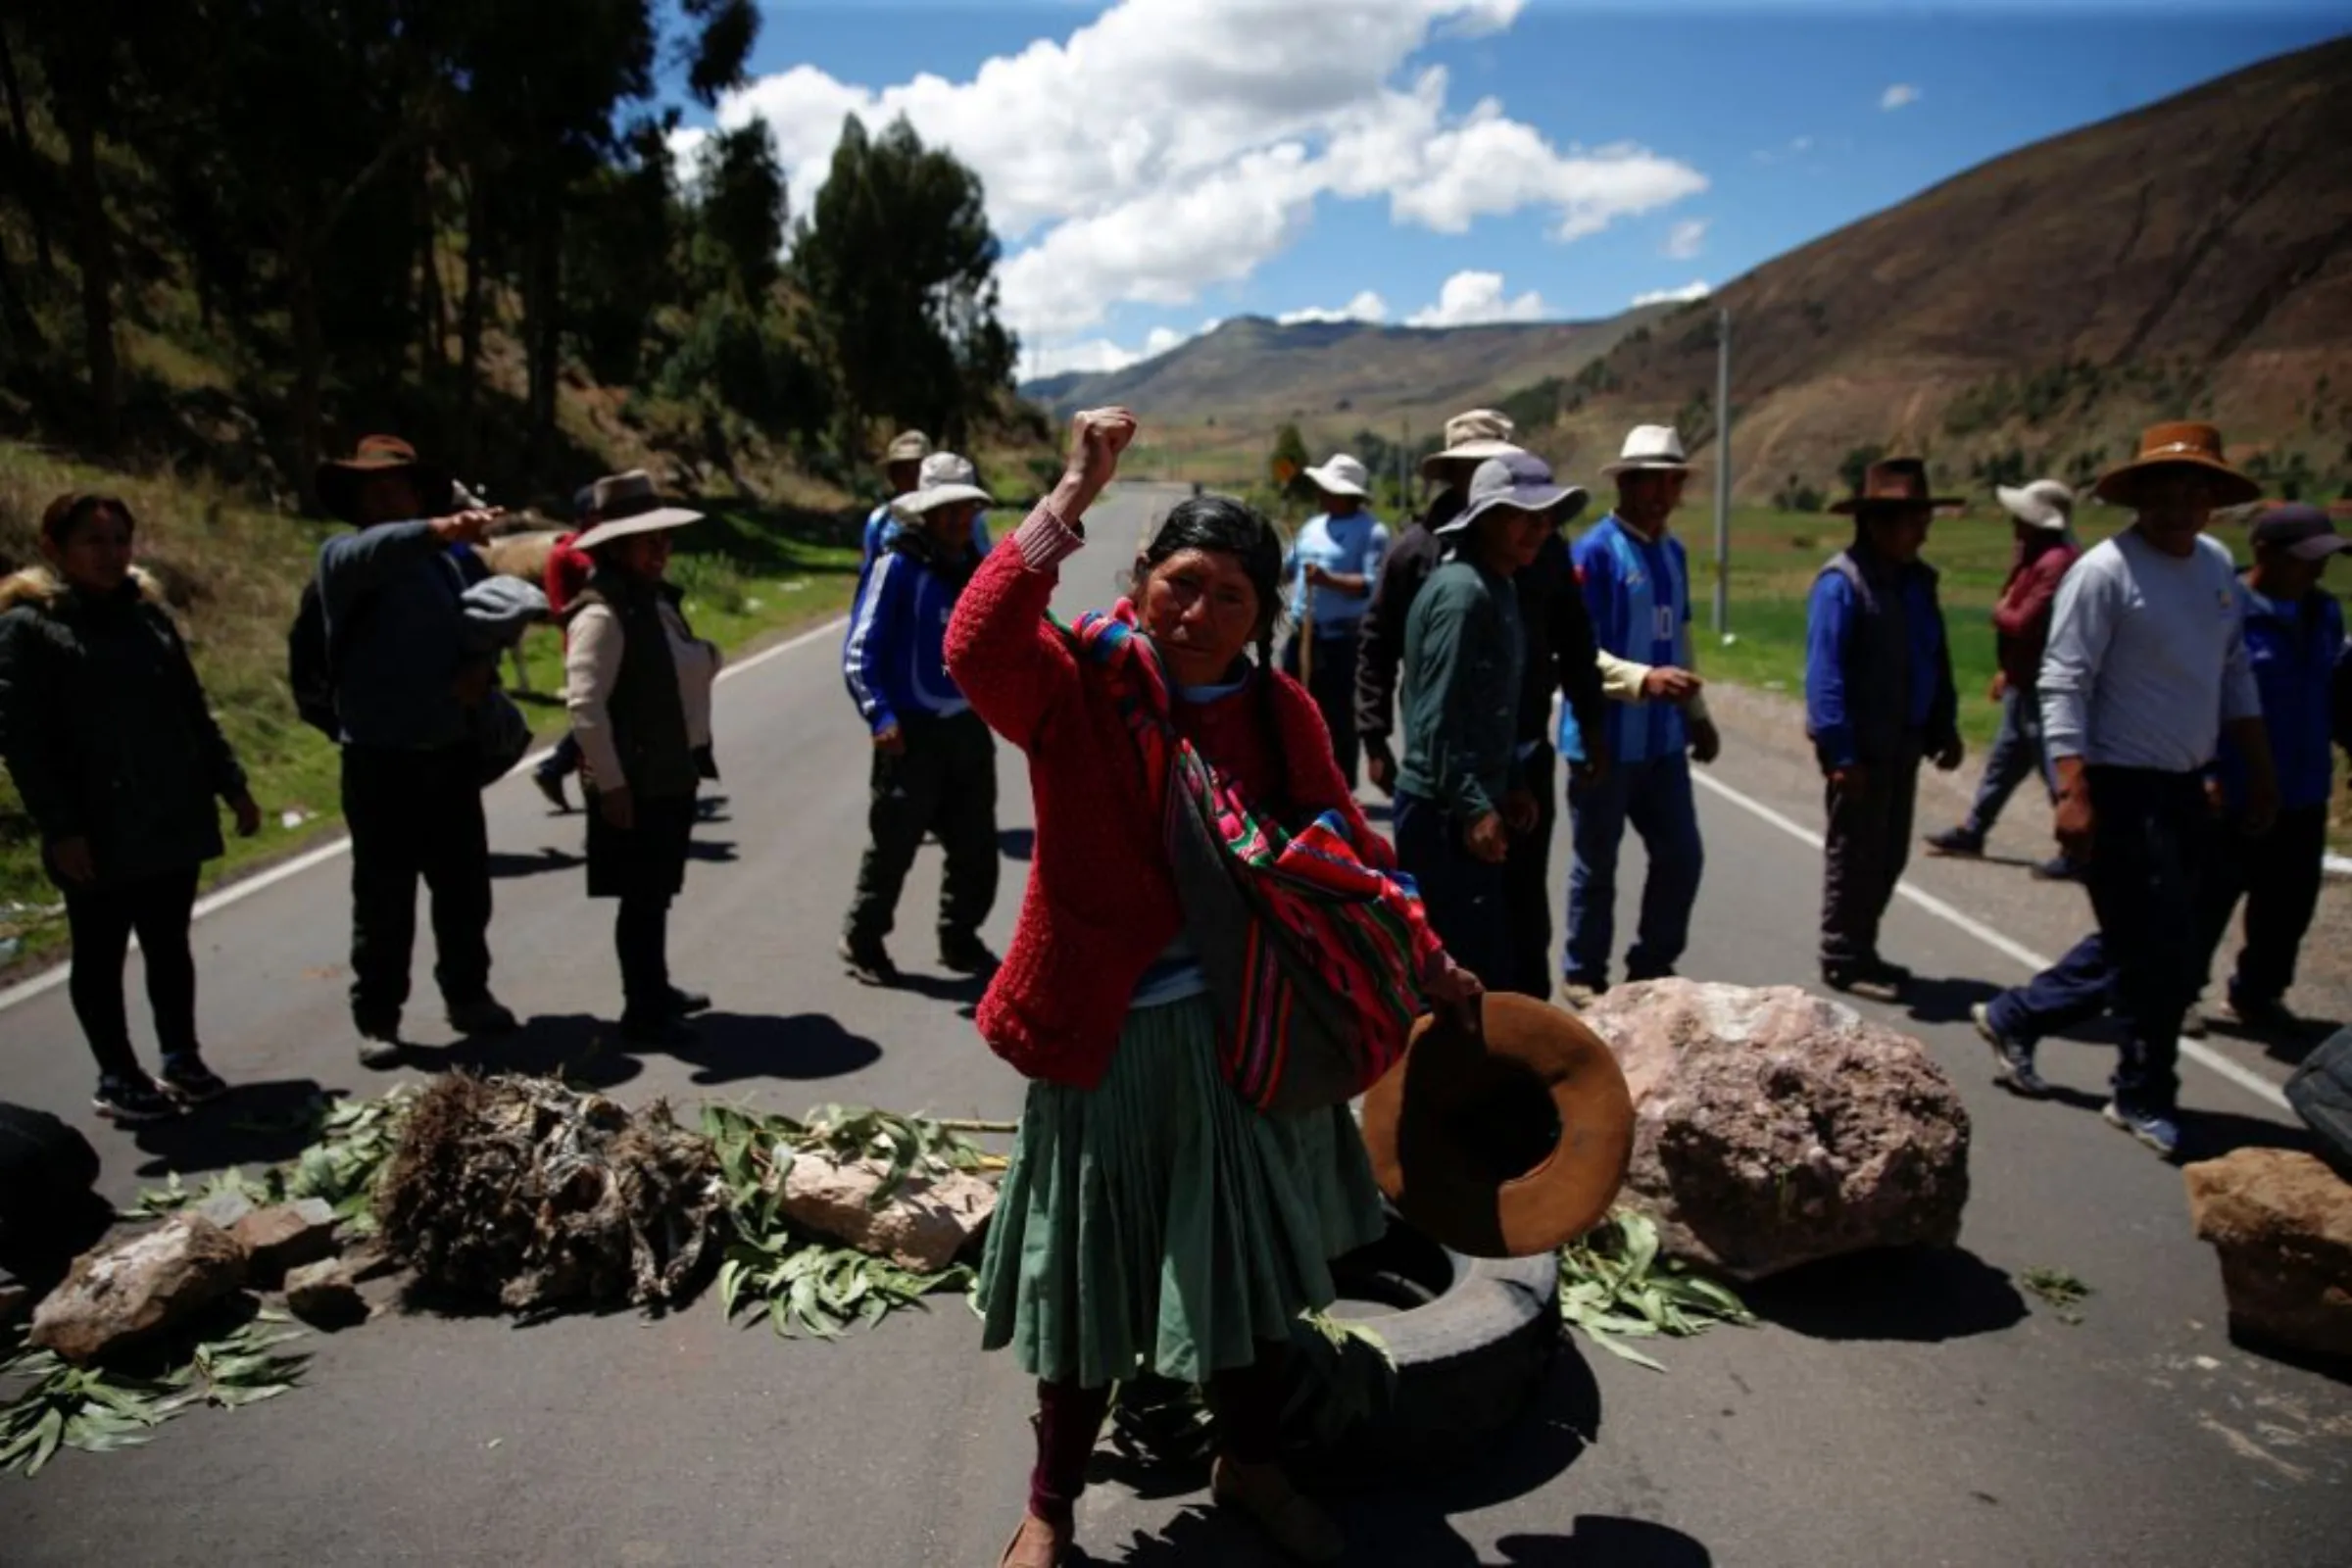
[309, 860]
[2195, 1051]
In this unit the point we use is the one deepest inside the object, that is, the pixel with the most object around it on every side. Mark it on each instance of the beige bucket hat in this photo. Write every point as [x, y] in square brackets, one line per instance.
[1341, 475]
[944, 479]
[1479, 433]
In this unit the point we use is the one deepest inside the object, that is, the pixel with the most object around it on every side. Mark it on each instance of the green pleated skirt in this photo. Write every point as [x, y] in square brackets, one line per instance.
[1158, 1223]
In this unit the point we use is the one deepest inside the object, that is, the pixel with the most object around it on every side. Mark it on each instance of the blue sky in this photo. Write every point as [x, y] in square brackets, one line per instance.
[1156, 165]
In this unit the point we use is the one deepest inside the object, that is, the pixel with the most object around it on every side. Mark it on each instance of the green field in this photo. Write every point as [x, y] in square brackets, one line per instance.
[233, 574]
[1775, 558]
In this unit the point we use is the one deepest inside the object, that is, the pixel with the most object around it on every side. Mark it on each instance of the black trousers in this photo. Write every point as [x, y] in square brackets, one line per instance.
[416, 814]
[1467, 900]
[945, 782]
[1863, 856]
[1527, 882]
[1332, 684]
[102, 921]
[2279, 876]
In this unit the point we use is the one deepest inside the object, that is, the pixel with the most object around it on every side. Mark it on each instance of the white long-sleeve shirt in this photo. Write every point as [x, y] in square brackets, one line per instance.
[2146, 659]
[592, 650]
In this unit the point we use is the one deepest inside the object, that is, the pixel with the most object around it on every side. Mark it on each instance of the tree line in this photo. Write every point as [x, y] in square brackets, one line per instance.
[356, 203]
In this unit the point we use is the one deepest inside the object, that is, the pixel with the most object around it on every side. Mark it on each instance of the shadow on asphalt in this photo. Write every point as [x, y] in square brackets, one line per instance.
[549, 858]
[1917, 1294]
[1016, 843]
[1947, 999]
[252, 1124]
[715, 850]
[726, 1048]
[1404, 1521]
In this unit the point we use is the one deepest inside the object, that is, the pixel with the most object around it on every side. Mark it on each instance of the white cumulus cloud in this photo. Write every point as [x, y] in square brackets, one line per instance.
[1469, 299]
[1696, 289]
[1685, 240]
[1898, 96]
[1365, 306]
[1170, 146]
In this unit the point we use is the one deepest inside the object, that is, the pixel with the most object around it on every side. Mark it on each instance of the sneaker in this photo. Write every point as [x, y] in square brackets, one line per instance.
[485, 1015]
[1581, 993]
[686, 1004]
[967, 955]
[1960, 842]
[2195, 1025]
[2058, 868]
[550, 785]
[1862, 980]
[2013, 1059]
[868, 961]
[130, 1101]
[188, 1079]
[380, 1041]
[2152, 1128]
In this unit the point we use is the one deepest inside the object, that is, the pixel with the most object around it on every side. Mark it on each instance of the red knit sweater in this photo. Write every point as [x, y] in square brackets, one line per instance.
[1102, 904]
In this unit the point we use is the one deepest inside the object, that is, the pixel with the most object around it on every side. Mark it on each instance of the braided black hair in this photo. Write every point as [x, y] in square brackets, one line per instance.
[1230, 528]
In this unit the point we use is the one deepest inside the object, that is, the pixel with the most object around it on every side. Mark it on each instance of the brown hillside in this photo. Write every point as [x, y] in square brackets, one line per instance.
[2193, 257]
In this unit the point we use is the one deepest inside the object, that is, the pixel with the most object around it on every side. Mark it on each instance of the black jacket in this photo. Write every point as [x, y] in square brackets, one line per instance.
[105, 728]
[1558, 628]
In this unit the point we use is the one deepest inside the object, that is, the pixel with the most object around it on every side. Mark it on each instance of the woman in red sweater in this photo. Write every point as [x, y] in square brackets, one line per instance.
[1151, 1220]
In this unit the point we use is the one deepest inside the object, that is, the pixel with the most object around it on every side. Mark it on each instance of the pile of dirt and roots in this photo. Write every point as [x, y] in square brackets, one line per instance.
[539, 1198]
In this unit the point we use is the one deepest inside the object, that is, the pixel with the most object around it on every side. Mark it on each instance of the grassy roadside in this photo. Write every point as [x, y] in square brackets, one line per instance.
[233, 574]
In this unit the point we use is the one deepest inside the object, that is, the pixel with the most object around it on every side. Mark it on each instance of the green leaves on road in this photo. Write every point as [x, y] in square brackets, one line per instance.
[97, 1409]
[2061, 1289]
[1614, 1286]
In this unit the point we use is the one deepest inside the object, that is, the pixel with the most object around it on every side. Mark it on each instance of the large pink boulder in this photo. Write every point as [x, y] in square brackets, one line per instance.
[1773, 1127]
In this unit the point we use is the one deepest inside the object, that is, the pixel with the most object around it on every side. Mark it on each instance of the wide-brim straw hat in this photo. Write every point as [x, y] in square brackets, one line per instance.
[1341, 475]
[339, 480]
[944, 479]
[1505, 1146]
[2044, 503]
[627, 504]
[2181, 444]
[1479, 433]
[907, 446]
[1894, 482]
[1650, 447]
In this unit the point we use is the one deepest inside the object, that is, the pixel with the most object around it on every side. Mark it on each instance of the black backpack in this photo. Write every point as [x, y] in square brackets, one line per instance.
[310, 664]
[2321, 1090]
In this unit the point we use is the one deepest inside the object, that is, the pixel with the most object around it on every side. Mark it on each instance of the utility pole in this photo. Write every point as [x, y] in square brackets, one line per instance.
[1723, 473]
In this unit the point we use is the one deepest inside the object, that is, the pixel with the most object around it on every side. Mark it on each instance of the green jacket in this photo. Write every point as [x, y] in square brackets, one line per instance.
[105, 728]
[1464, 655]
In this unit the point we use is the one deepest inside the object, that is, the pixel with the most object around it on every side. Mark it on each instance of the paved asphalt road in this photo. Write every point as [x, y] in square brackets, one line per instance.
[1892, 1411]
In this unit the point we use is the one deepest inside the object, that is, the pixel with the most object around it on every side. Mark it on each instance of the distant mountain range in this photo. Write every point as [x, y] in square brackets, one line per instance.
[2190, 259]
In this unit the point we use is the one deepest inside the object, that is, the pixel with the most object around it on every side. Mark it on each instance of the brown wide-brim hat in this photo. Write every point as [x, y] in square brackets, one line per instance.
[2182, 444]
[338, 480]
[1505, 1147]
[1894, 482]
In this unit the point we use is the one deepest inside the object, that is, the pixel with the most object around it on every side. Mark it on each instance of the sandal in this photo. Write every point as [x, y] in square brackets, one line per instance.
[1294, 1522]
[1038, 1544]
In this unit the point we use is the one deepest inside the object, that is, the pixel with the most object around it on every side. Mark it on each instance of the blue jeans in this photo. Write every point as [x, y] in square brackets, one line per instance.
[2017, 752]
[2150, 837]
[1467, 900]
[1655, 796]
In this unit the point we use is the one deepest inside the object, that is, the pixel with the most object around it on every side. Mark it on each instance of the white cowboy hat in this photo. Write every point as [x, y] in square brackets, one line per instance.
[626, 504]
[943, 480]
[1520, 480]
[1480, 433]
[1657, 447]
[1341, 475]
[2043, 503]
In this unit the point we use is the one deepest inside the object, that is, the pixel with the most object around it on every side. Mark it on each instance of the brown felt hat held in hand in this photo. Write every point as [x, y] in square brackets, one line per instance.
[1505, 1147]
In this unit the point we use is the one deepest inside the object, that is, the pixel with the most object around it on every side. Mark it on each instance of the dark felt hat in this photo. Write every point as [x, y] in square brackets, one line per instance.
[338, 480]
[1505, 1147]
[1894, 482]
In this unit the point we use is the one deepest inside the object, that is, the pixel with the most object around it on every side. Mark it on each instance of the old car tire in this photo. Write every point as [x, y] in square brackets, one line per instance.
[1467, 1360]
